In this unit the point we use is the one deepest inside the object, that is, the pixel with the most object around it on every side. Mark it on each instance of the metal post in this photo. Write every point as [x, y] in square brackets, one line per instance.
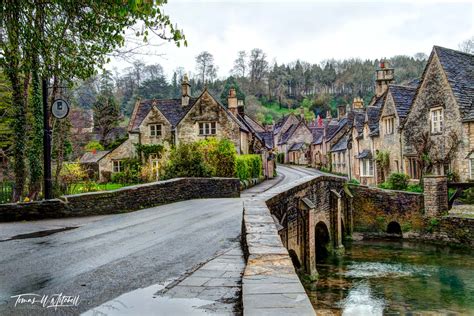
[48, 186]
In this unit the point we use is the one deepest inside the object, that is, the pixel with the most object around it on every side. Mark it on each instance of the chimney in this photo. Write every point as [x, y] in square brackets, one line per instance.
[301, 113]
[341, 111]
[328, 114]
[358, 103]
[232, 102]
[185, 91]
[384, 76]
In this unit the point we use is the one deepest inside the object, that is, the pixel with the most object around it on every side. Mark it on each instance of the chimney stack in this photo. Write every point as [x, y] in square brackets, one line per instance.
[232, 102]
[358, 103]
[301, 113]
[185, 91]
[384, 76]
[341, 111]
[328, 114]
[240, 107]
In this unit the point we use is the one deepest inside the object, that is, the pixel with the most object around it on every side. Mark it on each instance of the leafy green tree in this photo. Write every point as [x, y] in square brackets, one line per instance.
[231, 82]
[106, 110]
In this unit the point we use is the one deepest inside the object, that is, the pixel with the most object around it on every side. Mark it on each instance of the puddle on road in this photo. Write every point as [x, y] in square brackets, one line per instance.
[39, 234]
[144, 302]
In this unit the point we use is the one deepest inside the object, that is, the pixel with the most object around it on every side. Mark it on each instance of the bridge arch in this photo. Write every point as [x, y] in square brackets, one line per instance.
[322, 240]
[394, 229]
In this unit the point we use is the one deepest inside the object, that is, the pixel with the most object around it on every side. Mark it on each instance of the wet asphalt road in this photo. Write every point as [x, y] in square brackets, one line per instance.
[107, 256]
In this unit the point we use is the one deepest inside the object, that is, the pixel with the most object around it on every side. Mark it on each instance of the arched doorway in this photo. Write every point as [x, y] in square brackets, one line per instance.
[322, 239]
[394, 229]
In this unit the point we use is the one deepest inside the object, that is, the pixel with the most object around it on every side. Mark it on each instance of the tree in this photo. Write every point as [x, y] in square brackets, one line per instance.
[258, 67]
[68, 39]
[106, 110]
[205, 67]
[240, 64]
[467, 46]
[231, 83]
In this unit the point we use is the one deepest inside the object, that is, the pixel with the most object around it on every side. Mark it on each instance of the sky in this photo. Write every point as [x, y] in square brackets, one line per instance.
[311, 31]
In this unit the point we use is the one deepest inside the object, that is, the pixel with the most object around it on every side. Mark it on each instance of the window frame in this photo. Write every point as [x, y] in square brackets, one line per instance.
[155, 130]
[366, 167]
[207, 128]
[389, 125]
[116, 168]
[437, 120]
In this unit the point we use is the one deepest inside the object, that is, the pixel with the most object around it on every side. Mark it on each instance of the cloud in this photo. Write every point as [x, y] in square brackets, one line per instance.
[312, 31]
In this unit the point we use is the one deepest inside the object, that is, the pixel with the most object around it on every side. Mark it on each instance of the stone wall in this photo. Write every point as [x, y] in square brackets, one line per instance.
[122, 200]
[374, 209]
[436, 195]
[457, 230]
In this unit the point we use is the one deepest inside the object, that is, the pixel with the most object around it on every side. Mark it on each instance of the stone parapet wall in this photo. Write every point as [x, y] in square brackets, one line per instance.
[374, 209]
[457, 230]
[270, 285]
[122, 200]
[436, 195]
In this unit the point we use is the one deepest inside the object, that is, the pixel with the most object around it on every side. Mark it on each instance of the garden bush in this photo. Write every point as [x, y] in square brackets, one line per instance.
[219, 156]
[248, 166]
[186, 160]
[131, 172]
[398, 181]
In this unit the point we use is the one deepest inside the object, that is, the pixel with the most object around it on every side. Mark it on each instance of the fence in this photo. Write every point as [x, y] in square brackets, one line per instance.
[6, 192]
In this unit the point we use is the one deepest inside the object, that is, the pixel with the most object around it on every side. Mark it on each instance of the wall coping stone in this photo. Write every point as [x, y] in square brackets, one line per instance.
[270, 285]
[125, 199]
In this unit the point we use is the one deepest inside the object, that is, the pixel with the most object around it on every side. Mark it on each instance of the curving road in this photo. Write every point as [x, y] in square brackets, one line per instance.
[104, 257]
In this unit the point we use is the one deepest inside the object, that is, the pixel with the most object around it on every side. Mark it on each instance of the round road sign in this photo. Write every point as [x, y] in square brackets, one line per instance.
[60, 108]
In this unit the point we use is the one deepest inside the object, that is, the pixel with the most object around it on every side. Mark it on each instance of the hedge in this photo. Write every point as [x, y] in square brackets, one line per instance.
[249, 166]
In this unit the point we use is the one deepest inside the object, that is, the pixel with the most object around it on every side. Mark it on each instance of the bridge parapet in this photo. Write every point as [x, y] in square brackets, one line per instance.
[280, 223]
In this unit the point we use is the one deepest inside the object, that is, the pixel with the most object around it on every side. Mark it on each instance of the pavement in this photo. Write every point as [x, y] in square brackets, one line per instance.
[150, 257]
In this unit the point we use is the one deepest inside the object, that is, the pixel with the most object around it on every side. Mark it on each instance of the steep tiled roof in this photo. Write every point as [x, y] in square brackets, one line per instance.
[267, 138]
[296, 146]
[170, 108]
[459, 69]
[364, 154]
[318, 134]
[287, 134]
[359, 120]
[279, 124]
[373, 115]
[91, 157]
[334, 127]
[341, 144]
[254, 126]
[403, 98]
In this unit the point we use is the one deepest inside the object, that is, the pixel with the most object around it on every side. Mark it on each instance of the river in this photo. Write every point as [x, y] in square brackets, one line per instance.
[395, 278]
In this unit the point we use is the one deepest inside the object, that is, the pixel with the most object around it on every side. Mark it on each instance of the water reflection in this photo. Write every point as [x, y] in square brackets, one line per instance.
[386, 277]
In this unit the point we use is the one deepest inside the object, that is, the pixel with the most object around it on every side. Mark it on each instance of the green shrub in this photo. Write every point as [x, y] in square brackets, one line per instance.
[385, 185]
[280, 157]
[398, 181]
[186, 160]
[93, 145]
[130, 174]
[219, 156]
[354, 181]
[248, 166]
[415, 188]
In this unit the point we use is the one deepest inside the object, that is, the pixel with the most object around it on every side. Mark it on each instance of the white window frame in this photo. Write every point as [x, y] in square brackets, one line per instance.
[116, 166]
[156, 130]
[436, 120]
[366, 167]
[389, 124]
[207, 128]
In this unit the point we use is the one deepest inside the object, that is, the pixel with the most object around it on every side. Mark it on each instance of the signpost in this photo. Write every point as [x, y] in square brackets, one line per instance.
[59, 109]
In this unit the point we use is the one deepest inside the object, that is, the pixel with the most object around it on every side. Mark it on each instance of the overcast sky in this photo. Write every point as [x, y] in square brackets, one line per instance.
[312, 31]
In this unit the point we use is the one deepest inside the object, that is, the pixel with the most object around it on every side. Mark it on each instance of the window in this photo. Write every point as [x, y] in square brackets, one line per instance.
[471, 167]
[413, 168]
[207, 128]
[117, 166]
[388, 125]
[366, 168]
[155, 130]
[436, 120]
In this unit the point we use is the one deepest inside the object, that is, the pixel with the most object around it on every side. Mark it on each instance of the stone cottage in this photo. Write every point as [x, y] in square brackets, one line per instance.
[187, 119]
[293, 139]
[440, 124]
